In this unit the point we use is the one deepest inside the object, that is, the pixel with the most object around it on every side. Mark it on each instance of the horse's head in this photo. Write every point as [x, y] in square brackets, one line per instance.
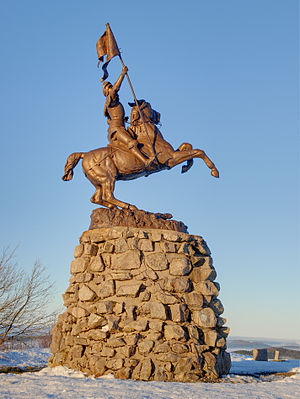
[149, 114]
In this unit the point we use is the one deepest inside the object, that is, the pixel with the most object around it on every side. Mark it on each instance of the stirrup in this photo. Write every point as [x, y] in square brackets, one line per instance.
[150, 161]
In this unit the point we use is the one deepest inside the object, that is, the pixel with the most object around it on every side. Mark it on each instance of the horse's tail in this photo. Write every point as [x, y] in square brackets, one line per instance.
[72, 161]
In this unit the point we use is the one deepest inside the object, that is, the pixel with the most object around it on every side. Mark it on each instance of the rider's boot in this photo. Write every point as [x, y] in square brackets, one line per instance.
[146, 161]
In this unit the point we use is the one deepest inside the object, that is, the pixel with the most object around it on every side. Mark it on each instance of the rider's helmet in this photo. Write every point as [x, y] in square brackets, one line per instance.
[105, 86]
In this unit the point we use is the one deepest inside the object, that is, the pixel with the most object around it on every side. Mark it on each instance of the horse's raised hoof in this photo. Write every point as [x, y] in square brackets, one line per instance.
[214, 172]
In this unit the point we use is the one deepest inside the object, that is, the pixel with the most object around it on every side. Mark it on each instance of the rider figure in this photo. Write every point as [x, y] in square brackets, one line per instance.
[115, 114]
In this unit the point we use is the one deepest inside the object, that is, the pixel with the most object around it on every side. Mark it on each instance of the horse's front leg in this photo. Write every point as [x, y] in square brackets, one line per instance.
[186, 153]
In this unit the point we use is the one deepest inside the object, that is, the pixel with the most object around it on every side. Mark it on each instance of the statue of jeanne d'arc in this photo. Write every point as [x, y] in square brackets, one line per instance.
[138, 151]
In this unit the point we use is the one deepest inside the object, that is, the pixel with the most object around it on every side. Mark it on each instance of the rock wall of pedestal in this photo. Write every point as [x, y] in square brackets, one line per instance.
[142, 304]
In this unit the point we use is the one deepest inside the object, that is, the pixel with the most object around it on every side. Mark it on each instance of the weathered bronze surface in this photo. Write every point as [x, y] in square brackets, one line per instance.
[107, 218]
[139, 150]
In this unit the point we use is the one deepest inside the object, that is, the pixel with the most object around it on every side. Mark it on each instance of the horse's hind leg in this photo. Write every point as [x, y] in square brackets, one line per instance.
[97, 197]
[108, 196]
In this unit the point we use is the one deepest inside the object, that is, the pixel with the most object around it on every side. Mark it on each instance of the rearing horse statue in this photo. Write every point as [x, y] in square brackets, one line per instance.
[104, 166]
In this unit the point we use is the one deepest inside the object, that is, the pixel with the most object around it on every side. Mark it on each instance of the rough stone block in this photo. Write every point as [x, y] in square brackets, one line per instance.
[160, 374]
[96, 265]
[121, 245]
[96, 334]
[157, 311]
[168, 246]
[86, 294]
[172, 236]
[157, 261]
[76, 351]
[79, 312]
[155, 235]
[108, 352]
[260, 355]
[131, 290]
[156, 325]
[146, 369]
[97, 365]
[78, 251]
[208, 288]
[180, 348]
[203, 273]
[201, 261]
[124, 373]
[132, 339]
[183, 248]
[210, 337]
[114, 364]
[145, 245]
[90, 249]
[121, 276]
[106, 259]
[166, 298]
[115, 342]
[149, 273]
[221, 342]
[180, 266]
[167, 357]
[79, 265]
[194, 300]
[217, 306]
[104, 307]
[221, 321]
[204, 317]
[126, 351]
[179, 313]
[81, 278]
[95, 321]
[145, 347]
[173, 331]
[209, 365]
[137, 325]
[107, 247]
[184, 365]
[133, 243]
[162, 348]
[119, 307]
[145, 296]
[201, 246]
[128, 260]
[107, 289]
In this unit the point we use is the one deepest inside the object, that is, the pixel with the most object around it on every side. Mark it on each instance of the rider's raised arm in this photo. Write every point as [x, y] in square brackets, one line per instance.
[117, 85]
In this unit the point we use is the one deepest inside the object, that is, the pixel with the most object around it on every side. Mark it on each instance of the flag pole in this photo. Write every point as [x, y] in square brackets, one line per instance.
[139, 109]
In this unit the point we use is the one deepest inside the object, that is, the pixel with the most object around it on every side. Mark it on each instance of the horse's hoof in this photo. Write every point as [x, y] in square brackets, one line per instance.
[214, 172]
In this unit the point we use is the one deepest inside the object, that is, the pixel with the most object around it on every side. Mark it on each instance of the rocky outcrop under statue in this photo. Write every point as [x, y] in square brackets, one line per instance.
[142, 304]
[103, 217]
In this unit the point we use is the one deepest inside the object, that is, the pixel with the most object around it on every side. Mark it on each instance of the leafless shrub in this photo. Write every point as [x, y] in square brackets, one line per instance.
[23, 300]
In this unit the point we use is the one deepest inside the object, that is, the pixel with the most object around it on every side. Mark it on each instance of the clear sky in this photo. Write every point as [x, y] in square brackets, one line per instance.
[223, 75]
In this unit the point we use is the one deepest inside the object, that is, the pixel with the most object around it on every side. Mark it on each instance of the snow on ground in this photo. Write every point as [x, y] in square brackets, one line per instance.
[61, 383]
[24, 358]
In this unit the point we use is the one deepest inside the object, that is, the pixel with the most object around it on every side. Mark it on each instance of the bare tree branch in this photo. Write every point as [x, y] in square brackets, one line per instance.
[23, 298]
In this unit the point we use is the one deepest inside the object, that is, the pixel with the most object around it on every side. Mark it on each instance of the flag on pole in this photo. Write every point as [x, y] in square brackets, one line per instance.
[106, 45]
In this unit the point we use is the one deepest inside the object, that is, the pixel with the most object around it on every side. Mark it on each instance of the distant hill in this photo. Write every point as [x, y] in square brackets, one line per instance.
[245, 343]
[284, 353]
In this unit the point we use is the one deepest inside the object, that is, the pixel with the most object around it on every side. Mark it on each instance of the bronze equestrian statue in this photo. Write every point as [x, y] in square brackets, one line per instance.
[137, 151]
[127, 158]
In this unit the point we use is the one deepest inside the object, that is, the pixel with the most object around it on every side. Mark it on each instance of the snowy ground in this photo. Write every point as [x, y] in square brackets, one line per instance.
[62, 383]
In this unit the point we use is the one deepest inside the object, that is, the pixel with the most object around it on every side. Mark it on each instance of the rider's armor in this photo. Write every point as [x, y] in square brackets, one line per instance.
[115, 113]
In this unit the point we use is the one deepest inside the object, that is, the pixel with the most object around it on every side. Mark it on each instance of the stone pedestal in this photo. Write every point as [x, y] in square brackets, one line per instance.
[142, 304]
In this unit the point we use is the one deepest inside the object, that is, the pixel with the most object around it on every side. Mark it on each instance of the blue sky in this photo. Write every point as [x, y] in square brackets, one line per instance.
[223, 75]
